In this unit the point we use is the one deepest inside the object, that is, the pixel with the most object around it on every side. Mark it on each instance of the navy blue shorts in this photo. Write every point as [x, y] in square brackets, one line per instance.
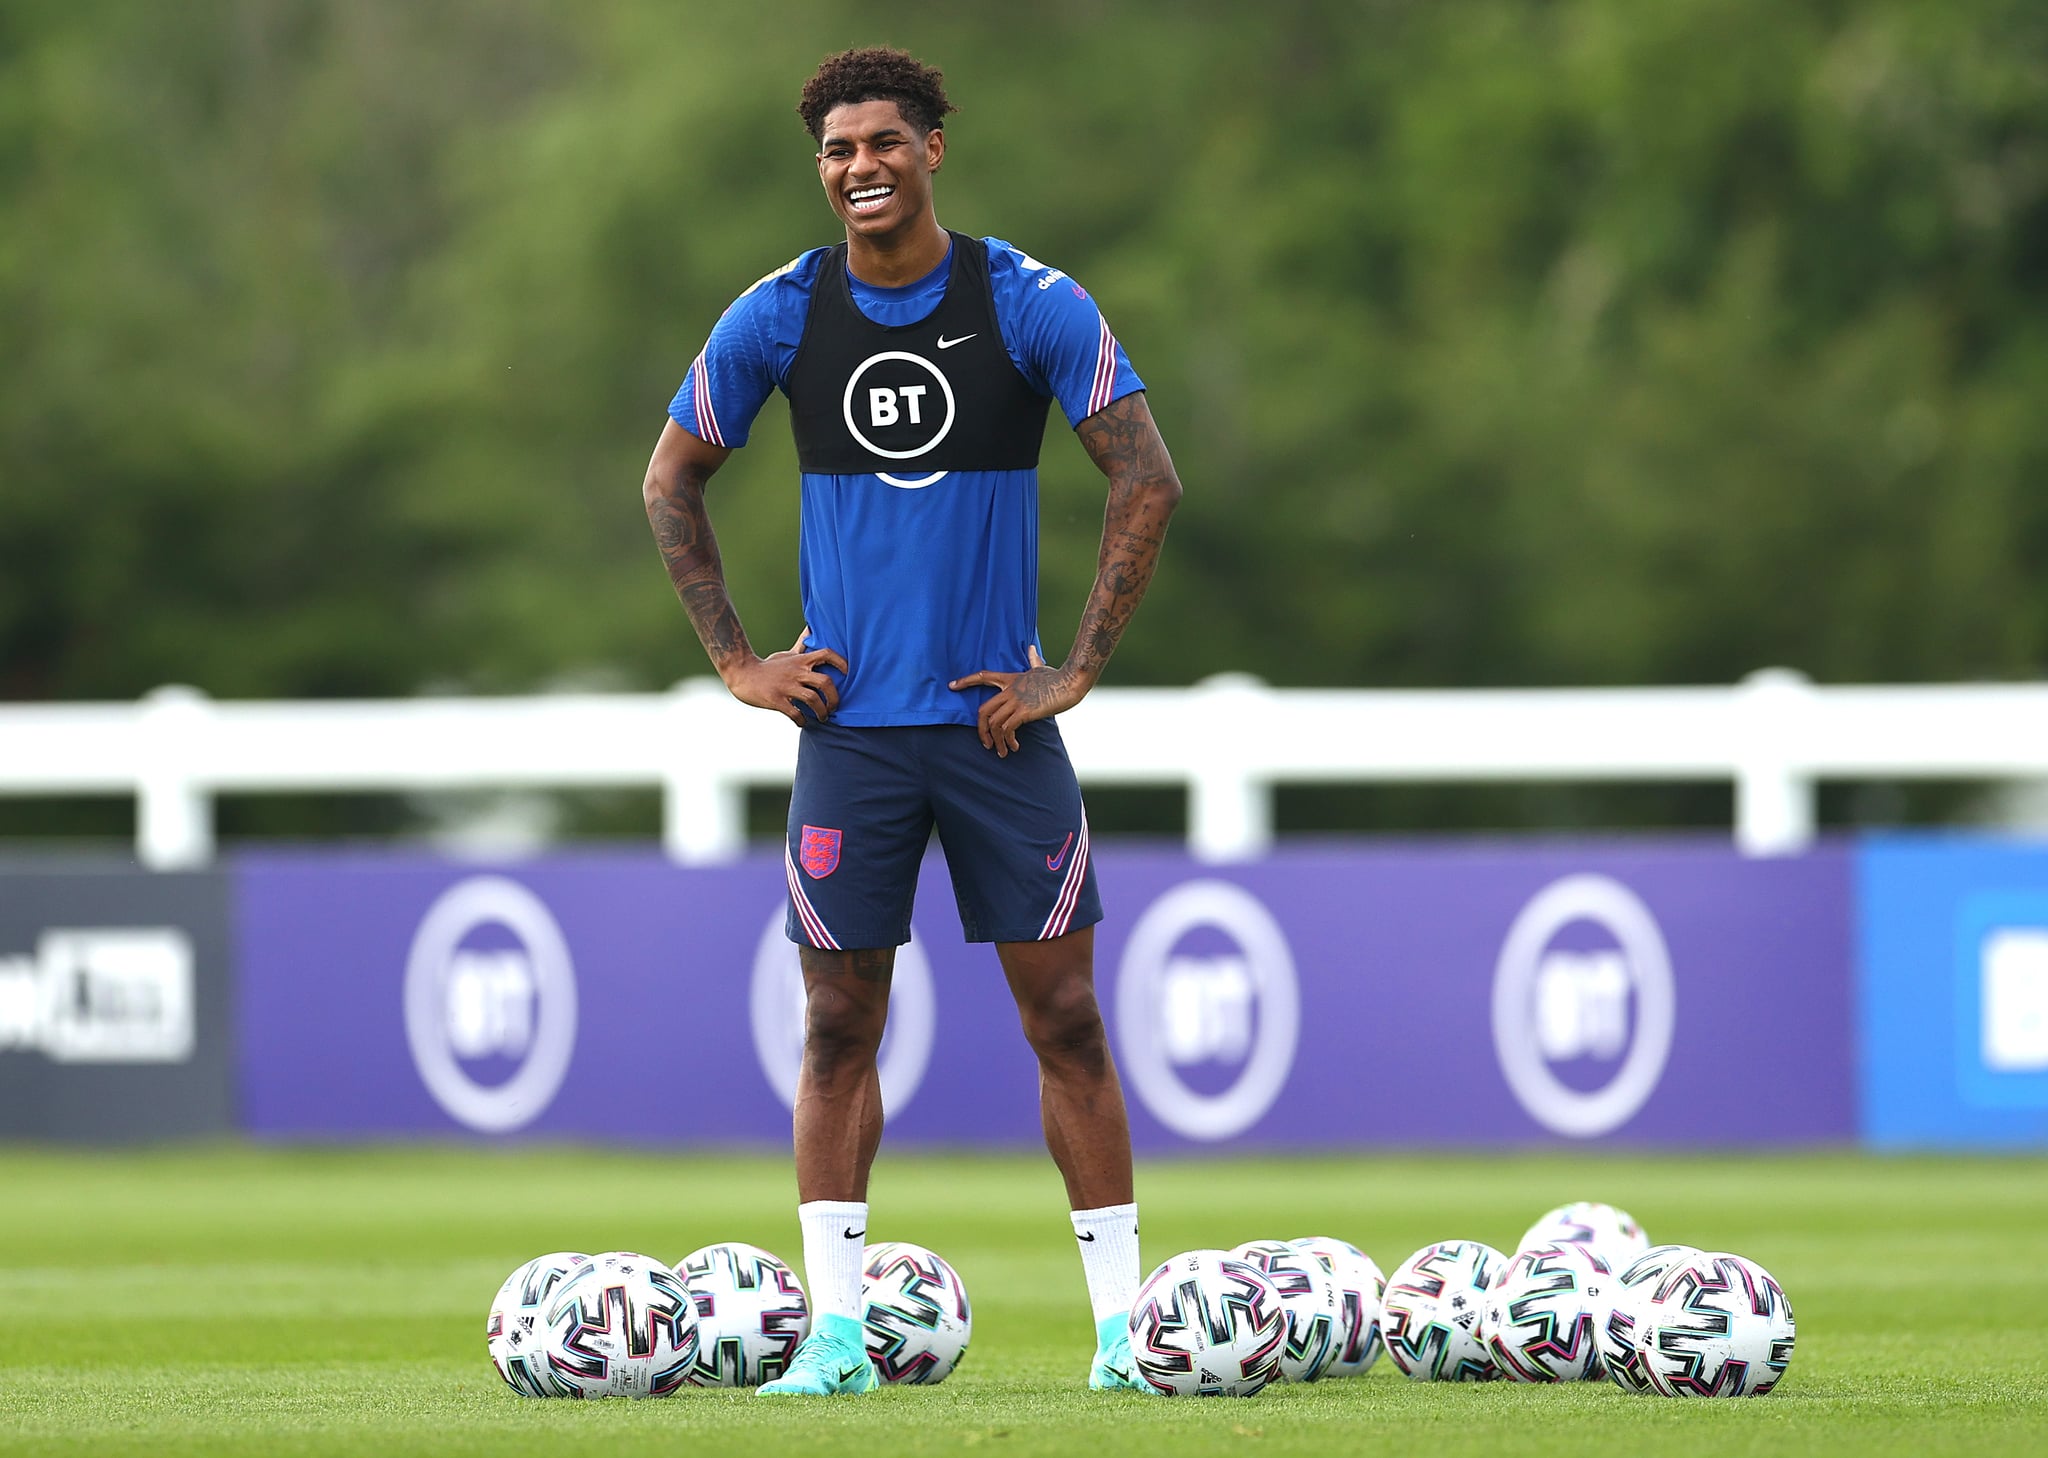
[866, 801]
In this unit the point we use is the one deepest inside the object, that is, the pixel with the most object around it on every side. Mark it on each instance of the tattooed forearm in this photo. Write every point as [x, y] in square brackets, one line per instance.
[712, 615]
[682, 532]
[1143, 491]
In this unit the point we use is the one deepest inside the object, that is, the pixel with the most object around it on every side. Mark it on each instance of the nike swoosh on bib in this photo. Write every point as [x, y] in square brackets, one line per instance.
[945, 343]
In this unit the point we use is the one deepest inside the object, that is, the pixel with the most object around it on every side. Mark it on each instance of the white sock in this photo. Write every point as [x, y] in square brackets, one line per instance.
[1109, 1256]
[835, 1234]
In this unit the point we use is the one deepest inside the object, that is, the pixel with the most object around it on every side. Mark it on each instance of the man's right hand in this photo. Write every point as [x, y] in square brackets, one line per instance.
[790, 682]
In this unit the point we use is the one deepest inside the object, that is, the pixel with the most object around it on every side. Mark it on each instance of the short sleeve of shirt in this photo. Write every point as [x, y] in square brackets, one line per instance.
[1057, 335]
[747, 356]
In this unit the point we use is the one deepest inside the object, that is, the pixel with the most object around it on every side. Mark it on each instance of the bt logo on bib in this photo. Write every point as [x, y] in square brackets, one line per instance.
[898, 405]
[883, 408]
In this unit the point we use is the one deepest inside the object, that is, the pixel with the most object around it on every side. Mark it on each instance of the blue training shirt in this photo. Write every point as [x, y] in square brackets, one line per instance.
[915, 579]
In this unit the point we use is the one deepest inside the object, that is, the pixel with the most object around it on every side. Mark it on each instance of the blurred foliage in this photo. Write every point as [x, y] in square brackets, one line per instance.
[1498, 342]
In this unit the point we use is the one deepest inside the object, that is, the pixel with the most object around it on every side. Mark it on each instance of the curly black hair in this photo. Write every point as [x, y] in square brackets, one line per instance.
[875, 73]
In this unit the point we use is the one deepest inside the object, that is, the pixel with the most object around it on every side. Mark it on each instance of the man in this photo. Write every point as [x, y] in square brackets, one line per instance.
[919, 365]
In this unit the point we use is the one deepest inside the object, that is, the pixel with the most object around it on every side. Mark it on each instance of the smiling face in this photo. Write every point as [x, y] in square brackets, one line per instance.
[877, 170]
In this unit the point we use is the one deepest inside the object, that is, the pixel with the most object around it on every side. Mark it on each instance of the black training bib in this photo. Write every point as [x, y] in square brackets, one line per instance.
[938, 395]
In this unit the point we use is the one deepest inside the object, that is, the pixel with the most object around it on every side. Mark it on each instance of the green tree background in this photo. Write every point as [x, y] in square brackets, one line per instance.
[1498, 342]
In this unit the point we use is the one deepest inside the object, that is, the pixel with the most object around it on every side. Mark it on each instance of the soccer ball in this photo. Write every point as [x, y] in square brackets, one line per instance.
[916, 1313]
[1360, 1285]
[751, 1314]
[1617, 1333]
[1309, 1296]
[1206, 1324]
[1429, 1316]
[1543, 1312]
[514, 1332]
[1612, 1233]
[1714, 1325]
[622, 1325]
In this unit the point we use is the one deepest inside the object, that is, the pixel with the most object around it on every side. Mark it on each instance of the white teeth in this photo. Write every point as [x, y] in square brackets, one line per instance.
[865, 194]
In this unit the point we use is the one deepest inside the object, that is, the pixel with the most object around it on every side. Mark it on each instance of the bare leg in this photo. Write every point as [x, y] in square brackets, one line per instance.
[838, 1094]
[1079, 1097]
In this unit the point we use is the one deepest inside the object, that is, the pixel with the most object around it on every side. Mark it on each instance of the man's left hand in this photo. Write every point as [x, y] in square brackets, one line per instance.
[1038, 692]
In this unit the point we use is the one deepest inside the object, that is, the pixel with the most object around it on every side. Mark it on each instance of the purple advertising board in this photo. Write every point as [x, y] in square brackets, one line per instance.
[1649, 994]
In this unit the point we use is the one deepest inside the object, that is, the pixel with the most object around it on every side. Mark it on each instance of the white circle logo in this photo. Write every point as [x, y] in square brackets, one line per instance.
[515, 1002]
[776, 1002]
[1552, 1005]
[1175, 1009]
[902, 405]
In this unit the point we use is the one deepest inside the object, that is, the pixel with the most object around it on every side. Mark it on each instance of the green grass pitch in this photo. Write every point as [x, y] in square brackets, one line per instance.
[237, 1300]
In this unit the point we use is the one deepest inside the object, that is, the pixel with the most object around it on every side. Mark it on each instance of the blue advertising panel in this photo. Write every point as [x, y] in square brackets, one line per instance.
[1669, 994]
[1954, 1000]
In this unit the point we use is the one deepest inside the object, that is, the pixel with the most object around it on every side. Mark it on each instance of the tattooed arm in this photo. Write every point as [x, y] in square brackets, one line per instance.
[674, 494]
[1143, 491]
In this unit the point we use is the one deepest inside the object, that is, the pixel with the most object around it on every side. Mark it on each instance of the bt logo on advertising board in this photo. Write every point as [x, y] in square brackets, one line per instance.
[2013, 1000]
[2001, 1001]
[490, 1004]
[1208, 1010]
[776, 1008]
[1584, 1006]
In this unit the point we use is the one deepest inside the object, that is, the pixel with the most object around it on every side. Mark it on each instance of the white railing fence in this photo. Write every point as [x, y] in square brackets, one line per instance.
[1229, 740]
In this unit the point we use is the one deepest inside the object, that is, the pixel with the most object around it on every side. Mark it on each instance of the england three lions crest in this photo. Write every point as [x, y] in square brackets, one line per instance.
[818, 852]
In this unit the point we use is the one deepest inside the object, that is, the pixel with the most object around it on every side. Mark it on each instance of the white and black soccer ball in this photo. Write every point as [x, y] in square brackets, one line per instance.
[515, 1331]
[1206, 1324]
[916, 1311]
[1360, 1283]
[1544, 1311]
[1617, 1333]
[751, 1313]
[1429, 1317]
[1309, 1297]
[1612, 1233]
[622, 1325]
[1714, 1325]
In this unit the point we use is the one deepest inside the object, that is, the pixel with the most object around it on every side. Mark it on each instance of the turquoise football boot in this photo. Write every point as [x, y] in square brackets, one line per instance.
[1113, 1370]
[832, 1360]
